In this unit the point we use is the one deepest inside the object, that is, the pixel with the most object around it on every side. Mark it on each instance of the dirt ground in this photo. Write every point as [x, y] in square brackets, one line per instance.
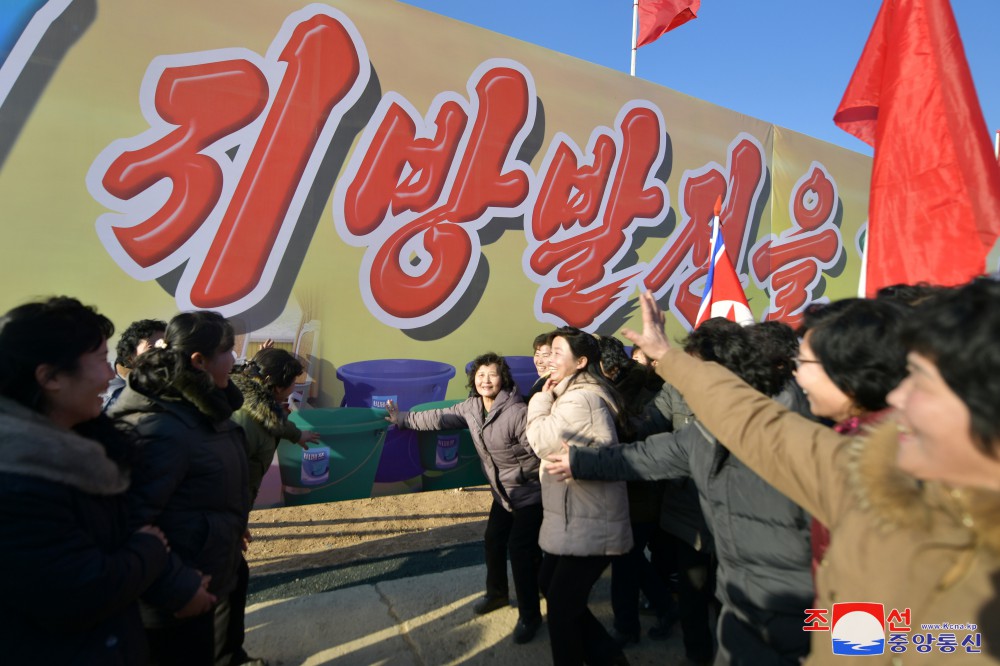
[318, 535]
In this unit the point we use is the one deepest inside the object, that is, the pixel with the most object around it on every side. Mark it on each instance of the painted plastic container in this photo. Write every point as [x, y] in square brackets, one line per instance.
[407, 382]
[522, 368]
[448, 457]
[342, 464]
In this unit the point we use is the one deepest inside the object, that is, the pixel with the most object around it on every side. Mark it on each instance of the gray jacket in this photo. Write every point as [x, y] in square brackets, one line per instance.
[580, 517]
[761, 537]
[509, 464]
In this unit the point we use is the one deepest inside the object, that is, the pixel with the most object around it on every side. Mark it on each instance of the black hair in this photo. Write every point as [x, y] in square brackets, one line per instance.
[274, 368]
[584, 345]
[909, 294]
[776, 345]
[56, 332]
[857, 341]
[489, 358]
[720, 340]
[187, 333]
[614, 360]
[137, 331]
[542, 339]
[729, 344]
[957, 330]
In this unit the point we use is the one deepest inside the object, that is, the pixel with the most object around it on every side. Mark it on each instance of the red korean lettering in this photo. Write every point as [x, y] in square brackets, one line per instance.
[790, 266]
[322, 68]
[684, 259]
[206, 102]
[400, 171]
[586, 212]
[235, 181]
[817, 619]
[898, 621]
[417, 198]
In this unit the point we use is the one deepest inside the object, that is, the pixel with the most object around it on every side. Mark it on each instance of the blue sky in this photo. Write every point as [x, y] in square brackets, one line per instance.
[783, 61]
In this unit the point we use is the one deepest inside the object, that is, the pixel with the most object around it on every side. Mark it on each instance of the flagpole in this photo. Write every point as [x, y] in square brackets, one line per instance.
[996, 141]
[635, 28]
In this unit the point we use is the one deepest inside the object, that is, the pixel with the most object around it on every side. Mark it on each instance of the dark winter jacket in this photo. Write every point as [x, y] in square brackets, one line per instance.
[192, 482]
[761, 537]
[73, 569]
[509, 464]
[265, 423]
[638, 386]
[680, 510]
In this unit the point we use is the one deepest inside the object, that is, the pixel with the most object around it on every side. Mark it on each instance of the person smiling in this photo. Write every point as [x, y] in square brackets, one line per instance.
[73, 569]
[850, 358]
[585, 522]
[494, 413]
[913, 506]
[192, 481]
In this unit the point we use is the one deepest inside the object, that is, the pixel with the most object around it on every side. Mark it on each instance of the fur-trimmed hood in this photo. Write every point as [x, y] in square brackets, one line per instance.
[899, 500]
[260, 405]
[31, 445]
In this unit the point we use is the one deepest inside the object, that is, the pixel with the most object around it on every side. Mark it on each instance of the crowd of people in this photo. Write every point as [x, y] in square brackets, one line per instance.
[734, 484]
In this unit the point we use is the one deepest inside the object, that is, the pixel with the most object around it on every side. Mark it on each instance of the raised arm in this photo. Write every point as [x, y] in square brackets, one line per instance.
[802, 459]
[661, 456]
[448, 418]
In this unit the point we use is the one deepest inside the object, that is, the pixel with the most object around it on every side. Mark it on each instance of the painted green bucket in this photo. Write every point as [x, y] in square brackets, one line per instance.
[448, 457]
[342, 465]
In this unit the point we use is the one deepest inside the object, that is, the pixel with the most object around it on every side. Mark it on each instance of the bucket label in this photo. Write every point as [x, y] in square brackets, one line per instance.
[379, 401]
[316, 465]
[446, 455]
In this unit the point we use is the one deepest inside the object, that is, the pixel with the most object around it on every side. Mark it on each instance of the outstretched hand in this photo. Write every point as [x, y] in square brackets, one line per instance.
[652, 340]
[308, 437]
[393, 409]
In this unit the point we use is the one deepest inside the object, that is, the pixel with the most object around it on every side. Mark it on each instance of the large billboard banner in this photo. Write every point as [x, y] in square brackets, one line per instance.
[364, 180]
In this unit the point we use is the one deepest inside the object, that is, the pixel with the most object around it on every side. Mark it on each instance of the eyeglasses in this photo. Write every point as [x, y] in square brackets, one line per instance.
[799, 362]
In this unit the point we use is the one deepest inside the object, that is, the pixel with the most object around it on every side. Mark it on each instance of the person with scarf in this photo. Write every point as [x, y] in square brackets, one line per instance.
[192, 481]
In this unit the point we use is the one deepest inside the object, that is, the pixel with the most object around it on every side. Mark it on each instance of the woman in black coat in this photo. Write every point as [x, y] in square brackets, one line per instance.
[73, 569]
[193, 480]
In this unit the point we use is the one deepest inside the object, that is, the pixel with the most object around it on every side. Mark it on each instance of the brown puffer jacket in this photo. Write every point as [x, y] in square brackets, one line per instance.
[580, 517]
[916, 547]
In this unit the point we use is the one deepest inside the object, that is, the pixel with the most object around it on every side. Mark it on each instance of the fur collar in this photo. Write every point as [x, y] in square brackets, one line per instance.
[198, 389]
[259, 404]
[899, 500]
[33, 446]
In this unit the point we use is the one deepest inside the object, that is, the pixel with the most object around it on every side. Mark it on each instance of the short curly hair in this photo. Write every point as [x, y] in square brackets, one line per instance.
[776, 346]
[136, 332]
[490, 358]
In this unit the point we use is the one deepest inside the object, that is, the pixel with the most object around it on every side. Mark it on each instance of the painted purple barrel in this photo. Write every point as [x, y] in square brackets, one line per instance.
[407, 382]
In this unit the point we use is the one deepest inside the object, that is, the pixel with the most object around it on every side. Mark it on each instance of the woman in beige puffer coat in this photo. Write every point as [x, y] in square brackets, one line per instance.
[584, 522]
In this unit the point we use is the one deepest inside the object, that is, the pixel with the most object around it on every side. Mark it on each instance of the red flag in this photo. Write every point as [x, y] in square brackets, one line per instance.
[934, 208]
[657, 17]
